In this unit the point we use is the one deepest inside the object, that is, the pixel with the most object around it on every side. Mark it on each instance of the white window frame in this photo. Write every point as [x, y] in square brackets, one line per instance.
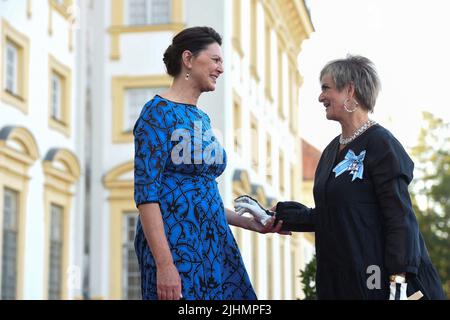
[127, 13]
[132, 108]
[150, 8]
[149, 19]
[15, 66]
[119, 85]
[59, 116]
[14, 41]
[14, 227]
[126, 244]
[56, 96]
[58, 240]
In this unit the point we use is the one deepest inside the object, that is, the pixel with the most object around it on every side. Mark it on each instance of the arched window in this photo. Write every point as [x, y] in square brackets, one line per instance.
[18, 152]
[61, 171]
[124, 270]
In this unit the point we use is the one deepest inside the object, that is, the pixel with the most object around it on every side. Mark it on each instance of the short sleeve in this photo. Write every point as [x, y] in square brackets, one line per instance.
[391, 170]
[152, 144]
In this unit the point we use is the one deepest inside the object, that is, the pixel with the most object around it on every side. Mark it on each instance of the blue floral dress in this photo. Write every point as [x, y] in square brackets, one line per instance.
[177, 159]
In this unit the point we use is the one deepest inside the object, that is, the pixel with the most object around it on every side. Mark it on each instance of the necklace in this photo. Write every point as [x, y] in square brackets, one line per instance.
[357, 132]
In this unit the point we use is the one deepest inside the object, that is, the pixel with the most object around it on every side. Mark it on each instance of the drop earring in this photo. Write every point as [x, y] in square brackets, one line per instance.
[187, 76]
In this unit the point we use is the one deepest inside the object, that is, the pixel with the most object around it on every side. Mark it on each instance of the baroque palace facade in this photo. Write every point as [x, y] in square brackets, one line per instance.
[74, 75]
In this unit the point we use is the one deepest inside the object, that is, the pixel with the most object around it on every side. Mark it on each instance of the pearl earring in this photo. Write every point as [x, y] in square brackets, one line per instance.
[187, 76]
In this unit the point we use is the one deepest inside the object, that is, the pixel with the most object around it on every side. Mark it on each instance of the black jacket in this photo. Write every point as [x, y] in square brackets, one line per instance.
[364, 224]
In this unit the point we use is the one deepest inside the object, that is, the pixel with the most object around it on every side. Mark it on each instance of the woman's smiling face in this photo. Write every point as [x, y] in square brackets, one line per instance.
[207, 66]
[332, 98]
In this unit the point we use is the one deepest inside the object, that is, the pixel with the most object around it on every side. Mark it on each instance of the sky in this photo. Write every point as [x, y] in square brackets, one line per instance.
[409, 43]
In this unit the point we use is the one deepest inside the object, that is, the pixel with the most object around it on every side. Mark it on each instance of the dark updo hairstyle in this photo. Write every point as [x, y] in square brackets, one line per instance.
[194, 39]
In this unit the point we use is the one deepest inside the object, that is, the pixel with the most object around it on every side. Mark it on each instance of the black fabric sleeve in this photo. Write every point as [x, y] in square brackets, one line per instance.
[295, 216]
[391, 170]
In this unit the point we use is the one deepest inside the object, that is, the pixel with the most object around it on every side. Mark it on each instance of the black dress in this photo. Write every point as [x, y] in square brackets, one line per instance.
[364, 223]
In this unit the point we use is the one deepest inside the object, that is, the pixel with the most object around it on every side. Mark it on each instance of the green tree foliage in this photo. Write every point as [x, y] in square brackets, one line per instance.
[431, 192]
[308, 279]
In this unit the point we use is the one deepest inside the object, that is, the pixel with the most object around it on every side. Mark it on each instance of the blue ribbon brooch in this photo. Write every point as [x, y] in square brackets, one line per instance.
[352, 163]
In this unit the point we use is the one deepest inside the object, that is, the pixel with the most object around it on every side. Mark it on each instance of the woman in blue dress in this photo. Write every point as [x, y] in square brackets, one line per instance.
[184, 245]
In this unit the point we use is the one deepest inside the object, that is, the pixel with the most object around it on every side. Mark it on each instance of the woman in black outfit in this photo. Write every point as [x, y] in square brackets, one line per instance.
[368, 242]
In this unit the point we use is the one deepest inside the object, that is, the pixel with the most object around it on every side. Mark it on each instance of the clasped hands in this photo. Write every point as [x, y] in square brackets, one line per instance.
[265, 218]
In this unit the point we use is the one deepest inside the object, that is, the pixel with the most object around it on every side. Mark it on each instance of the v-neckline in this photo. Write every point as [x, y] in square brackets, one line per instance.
[339, 153]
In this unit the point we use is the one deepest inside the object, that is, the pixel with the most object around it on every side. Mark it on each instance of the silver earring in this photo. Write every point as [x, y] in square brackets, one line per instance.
[346, 106]
[187, 76]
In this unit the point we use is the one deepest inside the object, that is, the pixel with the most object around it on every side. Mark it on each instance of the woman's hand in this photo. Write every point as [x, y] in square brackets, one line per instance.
[255, 225]
[168, 282]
